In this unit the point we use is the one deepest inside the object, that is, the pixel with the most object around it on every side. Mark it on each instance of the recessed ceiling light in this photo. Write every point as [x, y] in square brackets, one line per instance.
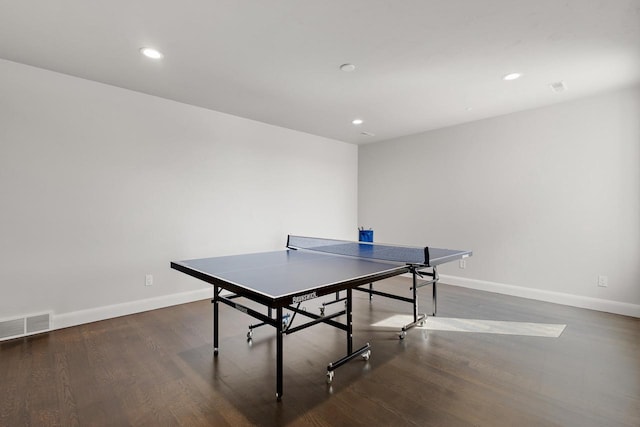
[347, 67]
[357, 121]
[512, 76]
[558, 87]
[151, 53]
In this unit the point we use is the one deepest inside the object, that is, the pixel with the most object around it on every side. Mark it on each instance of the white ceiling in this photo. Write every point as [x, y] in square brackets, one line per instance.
[421, 64]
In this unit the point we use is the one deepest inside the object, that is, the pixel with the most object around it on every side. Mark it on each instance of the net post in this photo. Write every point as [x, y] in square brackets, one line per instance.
[426, 256]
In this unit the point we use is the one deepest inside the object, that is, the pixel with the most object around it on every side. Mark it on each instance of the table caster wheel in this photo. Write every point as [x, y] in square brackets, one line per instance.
[249, 335]
[402, 335]
[321, 311]
[366, 355]
[330, 375]
[215, 351]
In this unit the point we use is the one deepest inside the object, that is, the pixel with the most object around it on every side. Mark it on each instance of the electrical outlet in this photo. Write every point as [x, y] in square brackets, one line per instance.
[148, 280]
[463, 263]
[603, 281]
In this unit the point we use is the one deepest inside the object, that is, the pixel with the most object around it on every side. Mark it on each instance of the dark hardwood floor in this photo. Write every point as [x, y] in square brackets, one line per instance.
[157, 369]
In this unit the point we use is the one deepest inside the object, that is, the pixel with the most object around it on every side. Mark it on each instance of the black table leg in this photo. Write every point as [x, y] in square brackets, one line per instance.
[364, 351]
[215, 320]
[435, 295]
[279, 336]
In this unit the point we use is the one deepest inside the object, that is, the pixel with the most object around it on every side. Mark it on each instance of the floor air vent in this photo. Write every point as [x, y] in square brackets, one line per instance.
[22, 326]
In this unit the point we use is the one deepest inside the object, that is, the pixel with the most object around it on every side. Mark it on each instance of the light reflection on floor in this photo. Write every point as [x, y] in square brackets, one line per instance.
[549, 330]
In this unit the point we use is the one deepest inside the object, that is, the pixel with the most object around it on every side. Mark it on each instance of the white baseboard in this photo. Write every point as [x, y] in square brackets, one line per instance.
[80, 317]
[598, 304]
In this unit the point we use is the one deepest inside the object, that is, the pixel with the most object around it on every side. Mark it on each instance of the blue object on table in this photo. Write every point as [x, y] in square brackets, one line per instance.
[366, 235]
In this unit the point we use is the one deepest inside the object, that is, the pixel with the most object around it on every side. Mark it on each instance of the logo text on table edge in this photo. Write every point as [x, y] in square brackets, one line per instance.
[304, 297]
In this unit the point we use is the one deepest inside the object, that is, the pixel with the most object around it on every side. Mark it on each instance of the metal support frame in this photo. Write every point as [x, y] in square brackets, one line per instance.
[336, 300]
[279, 356]
[418, 318]
[284, 328]
[216, 295]
[435, 295]
[365, 350]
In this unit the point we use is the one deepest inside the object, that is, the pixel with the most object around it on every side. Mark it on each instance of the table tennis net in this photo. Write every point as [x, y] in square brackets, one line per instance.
[377, 251]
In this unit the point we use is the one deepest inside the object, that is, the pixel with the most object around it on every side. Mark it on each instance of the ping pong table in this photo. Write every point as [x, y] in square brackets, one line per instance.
[310, 268]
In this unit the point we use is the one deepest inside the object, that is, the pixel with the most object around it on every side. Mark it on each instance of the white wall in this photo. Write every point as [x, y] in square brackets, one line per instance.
[101, 185]
[547, 199]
